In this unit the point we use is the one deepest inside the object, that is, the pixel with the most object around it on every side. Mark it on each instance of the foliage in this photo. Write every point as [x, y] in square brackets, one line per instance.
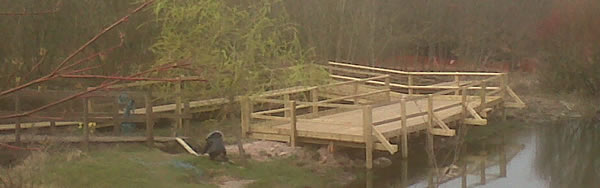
[242, 48]
[49, 38]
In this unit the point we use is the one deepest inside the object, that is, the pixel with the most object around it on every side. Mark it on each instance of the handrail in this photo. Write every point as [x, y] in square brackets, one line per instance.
[417, 73]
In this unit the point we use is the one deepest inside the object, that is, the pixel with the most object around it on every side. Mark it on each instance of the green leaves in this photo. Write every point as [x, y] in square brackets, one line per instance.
[240, 46]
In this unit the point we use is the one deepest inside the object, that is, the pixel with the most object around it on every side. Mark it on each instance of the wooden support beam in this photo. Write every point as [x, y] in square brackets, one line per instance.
[149, 120]
[293, 131]
[388, 146]
[404, 127]
[368, 135]
[472, 121]
[429, 142]
[519, 103]
[443, 132]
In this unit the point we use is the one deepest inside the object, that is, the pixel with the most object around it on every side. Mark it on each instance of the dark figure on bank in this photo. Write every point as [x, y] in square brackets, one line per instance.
[215, 147]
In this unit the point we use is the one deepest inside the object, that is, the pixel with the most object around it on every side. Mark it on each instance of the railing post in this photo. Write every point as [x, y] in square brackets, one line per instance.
[503, 93]
[410, 84]
[116, 117]
[464, 103]
[86, 129]
[314, 95]
[355, 91]
[178, 106]
[186, 120]
[457, 80]
[53, 128]
[404, 128]
[245, 116]
[388, 94]
[286, 100]
[368, 134]
[149, 119]
[482, 94]
[293, 132]
[18, 121]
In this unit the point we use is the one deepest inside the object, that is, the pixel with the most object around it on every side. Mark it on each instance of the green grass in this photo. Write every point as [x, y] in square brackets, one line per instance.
[138, 166]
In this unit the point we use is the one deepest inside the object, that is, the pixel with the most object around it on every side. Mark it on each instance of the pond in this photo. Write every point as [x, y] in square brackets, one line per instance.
[564, 153]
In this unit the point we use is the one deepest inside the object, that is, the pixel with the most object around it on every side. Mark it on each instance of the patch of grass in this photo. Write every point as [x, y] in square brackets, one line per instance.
[132, 165]
[125, 166]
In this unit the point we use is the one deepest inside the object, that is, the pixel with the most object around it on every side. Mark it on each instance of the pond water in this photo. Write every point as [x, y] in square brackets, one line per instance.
[559, 154]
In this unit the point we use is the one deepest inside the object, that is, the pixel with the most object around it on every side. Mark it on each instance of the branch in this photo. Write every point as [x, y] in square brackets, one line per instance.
[50, 11]
[129, 78]
[60, 67]
[118, 22]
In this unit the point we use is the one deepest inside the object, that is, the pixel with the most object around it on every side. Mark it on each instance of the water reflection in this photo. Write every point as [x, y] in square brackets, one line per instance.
[556, 155]
[568, 154]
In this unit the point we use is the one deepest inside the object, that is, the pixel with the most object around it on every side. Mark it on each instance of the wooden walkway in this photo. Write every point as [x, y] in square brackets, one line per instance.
[365, 111]
[76, 139]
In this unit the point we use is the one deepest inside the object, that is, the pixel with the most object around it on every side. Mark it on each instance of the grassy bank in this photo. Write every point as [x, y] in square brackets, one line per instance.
[139, 166]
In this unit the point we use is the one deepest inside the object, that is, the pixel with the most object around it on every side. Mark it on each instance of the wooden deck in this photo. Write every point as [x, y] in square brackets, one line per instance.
[347, 126]
[364, 111]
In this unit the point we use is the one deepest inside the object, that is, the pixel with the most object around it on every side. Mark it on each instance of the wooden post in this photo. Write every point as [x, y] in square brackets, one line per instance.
[404, 128]
[18, 120]
[186, 121]
[149, 120]
[430, 174]
[404, 177]
[464, 104]
[314, 94]
[502, 160]
[293, 133]
[116, 118]
[86, 129]
[482, 172]
[52, 128]
[368, 134]
[178, 106]
[429, 129]
[457, 80]
[388, 94]
[369, 179]
[410, 84]
[245, 116]
[504, 85]
[355, 92]
[463, 181]
[482, 94]
[286, 100]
